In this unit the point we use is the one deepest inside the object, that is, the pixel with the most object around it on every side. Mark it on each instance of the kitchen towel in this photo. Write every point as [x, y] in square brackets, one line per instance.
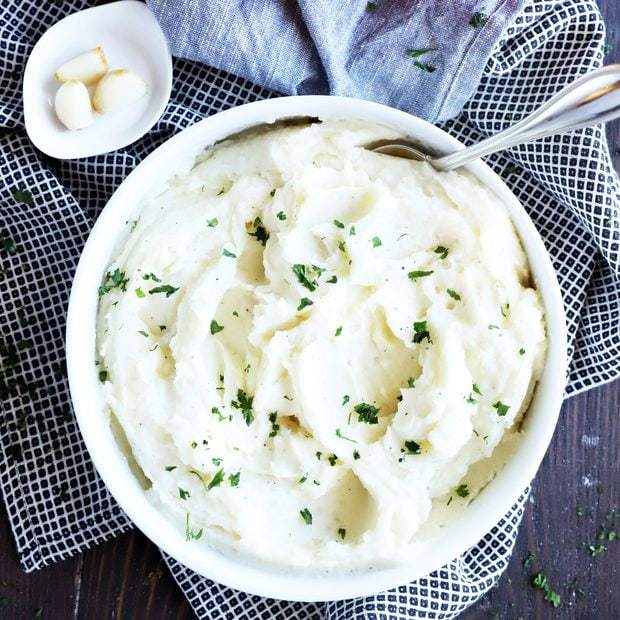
[56, 503]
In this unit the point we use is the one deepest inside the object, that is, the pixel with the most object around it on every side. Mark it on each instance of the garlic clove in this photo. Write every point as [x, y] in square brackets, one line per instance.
[117, 90]
[72, 105]
[87, 67]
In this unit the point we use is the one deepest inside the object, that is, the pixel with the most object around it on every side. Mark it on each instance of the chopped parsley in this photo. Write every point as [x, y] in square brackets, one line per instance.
[215, 327]
[502, 409]
[476, 389]
[410, 382]
[356, 455]
[413, 275]
[302, 277]
[411, 447]
[332, 458]
[216, 461]
[420, 332]
[318, 454]
[420, 52]
[216, 411]
[303, 302]
[104, 376]
[491, 326]
[212, 223]
[151, 276]
[244, 403]
[342, 246]
[453, 294]
[306, 515]
[260, 232]
[352, 231]
[183, 494]
[442, 251]
[376, 242]
[342, 532]
[164, 288]
[597, 550]
[540, 581]
[505, 309]
[23, 196]
[339, 434]
[478, 19]
[338, 224]
[216, 480]
[371, 7]
[6, 243]
[143, 333]
[367, 413]
[273, 416]
[521, 351]
[116, 279]
[234, 479]
[345, 399]
[170, 467]
[303, 479]
[332, 280]
[511, 168]
[338, 331]
[189, 533]
[462, 490]
[272, 193]
[228, 254]
[139, 293]
[281, 216]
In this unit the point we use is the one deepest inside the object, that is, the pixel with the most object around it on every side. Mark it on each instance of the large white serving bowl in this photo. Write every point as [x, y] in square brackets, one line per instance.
[176, 155]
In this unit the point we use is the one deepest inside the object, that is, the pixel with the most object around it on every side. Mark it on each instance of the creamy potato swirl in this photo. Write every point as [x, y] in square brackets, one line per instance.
[313, 351]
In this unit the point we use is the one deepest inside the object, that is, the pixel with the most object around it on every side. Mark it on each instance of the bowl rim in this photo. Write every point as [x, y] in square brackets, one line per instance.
[236, 571]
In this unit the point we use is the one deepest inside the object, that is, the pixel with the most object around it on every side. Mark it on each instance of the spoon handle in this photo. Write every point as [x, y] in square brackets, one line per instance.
[592, 99]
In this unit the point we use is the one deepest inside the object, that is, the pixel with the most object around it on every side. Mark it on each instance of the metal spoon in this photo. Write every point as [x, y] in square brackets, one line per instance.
[592, 99]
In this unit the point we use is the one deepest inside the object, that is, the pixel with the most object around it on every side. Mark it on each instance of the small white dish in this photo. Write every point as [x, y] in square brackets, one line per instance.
[176, 156]
[132, 39]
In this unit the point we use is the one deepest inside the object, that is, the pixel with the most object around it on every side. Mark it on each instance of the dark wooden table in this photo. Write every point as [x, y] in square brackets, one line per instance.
[576, 487]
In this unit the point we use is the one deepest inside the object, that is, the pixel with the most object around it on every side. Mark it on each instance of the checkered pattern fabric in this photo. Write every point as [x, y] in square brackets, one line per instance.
[56, 503]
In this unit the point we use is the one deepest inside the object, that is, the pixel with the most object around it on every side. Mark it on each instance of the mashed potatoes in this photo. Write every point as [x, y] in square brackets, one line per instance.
[308, 346]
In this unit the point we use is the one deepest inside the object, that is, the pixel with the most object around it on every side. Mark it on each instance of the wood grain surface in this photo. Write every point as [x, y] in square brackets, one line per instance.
[576, 487]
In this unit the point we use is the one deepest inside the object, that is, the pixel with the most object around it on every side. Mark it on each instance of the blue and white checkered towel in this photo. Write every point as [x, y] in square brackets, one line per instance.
[493, 63]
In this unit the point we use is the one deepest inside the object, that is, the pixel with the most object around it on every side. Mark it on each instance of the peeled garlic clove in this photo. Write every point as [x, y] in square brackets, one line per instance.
[72, 105]
[117, 90]
[87, 67]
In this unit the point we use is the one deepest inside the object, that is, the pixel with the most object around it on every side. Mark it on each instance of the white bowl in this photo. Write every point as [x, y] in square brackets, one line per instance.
[475, 520]
[131, 39]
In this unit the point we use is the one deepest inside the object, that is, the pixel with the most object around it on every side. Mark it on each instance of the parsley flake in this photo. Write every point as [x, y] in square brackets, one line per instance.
[338, 224]
[414, 275]
[304, 302]
[410, 382]
[215, 327]
[367, 413]
[281, 215]
[23, 196]
[478, 19]
[164, 288]
[170, 467]
[356, 455]
[244, 403]
[273, 416]
[371, 7]
[420, 332]
[462, 490]
[115, 279]
[342, 532]
[338, 331]
[339, 434]
[228, 254]
[139, 293]
[212, 223]
[345, 399]
[189, 533]
[234, 479]
[453, 294]
[183, 494]
[260, 232]
[411, 447]
[502, 409]
[442, 251]
[216, 480]
[306, 515]
[376, 242]
[302, 277]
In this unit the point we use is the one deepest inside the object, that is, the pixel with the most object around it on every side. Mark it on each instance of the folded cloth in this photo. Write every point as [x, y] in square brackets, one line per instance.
[424, 56]
[56, 504]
